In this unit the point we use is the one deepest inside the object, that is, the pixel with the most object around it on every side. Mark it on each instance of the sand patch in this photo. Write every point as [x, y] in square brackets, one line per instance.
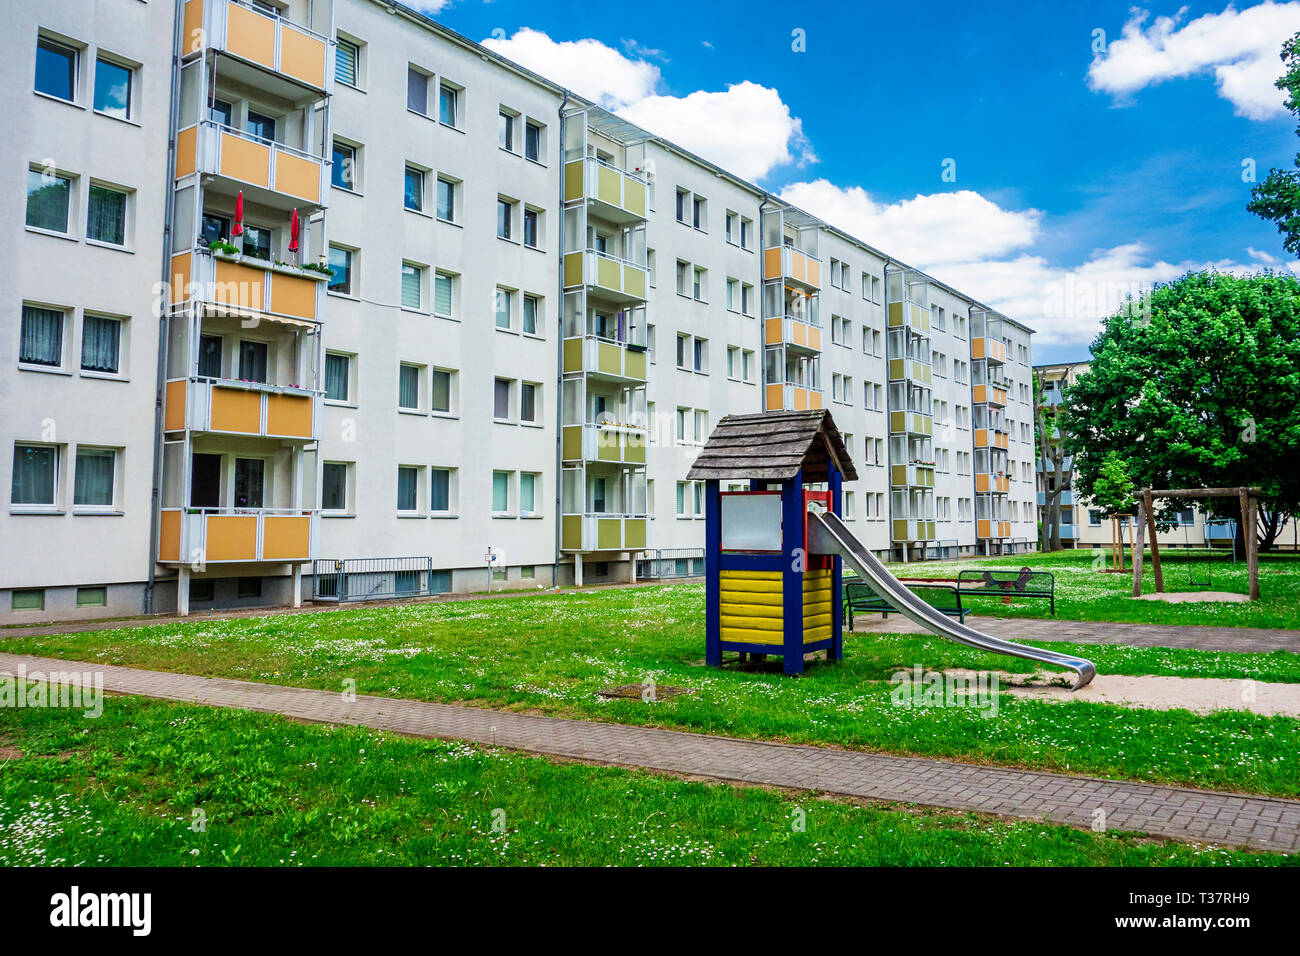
[1195, 597]
[1201, 695]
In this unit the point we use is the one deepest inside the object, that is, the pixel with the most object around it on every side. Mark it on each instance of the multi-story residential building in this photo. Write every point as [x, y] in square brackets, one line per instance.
[323, 300]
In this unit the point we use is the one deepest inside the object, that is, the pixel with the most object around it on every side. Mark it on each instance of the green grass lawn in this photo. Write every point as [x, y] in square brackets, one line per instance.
[1085, 591]
[552, 654]
[123, 790]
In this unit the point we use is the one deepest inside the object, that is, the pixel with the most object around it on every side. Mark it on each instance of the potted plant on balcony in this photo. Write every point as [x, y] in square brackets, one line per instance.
[224, 249]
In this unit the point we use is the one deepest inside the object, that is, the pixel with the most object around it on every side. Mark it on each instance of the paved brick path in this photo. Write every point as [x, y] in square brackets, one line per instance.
[1182, 814]
[1097, 632]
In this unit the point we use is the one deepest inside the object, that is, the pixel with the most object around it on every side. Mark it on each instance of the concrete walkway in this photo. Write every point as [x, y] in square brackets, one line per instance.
[1262, 823]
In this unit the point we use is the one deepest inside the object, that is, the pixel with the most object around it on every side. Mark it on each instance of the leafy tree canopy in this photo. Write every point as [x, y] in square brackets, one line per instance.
[1277, 198]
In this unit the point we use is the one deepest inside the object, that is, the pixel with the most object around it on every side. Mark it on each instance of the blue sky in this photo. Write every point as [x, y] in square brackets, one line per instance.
[1085, 164]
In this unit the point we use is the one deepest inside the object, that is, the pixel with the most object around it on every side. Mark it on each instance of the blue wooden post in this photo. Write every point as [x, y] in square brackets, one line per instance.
[712, 574]
[836, 650]
[792, 522]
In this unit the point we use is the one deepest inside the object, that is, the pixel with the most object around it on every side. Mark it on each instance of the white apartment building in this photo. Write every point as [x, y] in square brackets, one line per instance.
[429, 322]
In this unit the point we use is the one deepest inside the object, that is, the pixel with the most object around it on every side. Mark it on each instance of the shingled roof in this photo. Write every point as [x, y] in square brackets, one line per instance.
[774, 446]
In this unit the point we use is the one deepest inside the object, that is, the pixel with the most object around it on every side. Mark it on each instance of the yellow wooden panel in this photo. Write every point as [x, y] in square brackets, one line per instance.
[239, 285]
[297, 176]
[244, 160]
[741, 635]
[192, 28]
[174, 406]
[634, 196]
[772, 263]
[236, 410]
[250, 35]
[286, 538]
[733, 596]
[750, 623]
[609, 534]
[289, 415]
[573, 180]
[169, 536]
[291, 295]
[572, 269]
[759, 580]
[186, 141]
[181, 266]
[231, 538]
[302, 57]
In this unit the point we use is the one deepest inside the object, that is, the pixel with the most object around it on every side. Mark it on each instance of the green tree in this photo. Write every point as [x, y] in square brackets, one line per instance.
[1113, 488]
[1277, 198]
[1198, 387]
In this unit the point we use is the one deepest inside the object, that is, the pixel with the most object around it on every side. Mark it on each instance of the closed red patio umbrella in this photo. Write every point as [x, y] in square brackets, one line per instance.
[293, 232]
[237, 228]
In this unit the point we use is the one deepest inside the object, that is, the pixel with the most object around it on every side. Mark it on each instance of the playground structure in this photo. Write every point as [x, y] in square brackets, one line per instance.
[1146, 523]
[774, 551]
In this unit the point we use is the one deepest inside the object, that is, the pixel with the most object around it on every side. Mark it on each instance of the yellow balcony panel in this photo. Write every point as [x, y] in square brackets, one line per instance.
[571, 532]
[230, 538]
[634, 281]
[250, 35]
[773, 399]
[297, 176]
[603, 532]
[604, 359]
[286, 538]
[573, 181]
[192, 28]
[174, 416]
[302, 56]
[236, 410]
[571, 443]
[290, 416]
[788, 263]
[186, 151]
[169, 535]
[241, 409]
[245, 160]
[182, 272]
[294, 295]
[616, 195]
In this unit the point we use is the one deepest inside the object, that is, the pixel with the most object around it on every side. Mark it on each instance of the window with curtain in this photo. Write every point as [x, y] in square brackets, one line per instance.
[442, 293]
[252, 361]
[49, 196]
[41, 337]
[533, 141]
[56, 69]
[440, 490]
[35, 474]
[448, 104]
[100, 344]
[530, 228]
[417, 91]
[346, 57]
[528, 403]
[411, 276]
[501, 399]
[500, 491]
[503, 309]
[408, 387]
[407, 488]
[446, 200]
[506, 131]
[257, 242]
[210, 347]
[527, 493]
[334, 486]
[249, 482]
[413, 197]
[505, 213]
[530, 314]
[261, 126]
[92, 481]
[112, 88]
[441, 390]
[336, 377]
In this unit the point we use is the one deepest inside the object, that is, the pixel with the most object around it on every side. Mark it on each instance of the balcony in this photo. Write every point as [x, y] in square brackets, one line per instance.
[272, 174]
[989, 528]
[605, 359]
[988, 348]
[791, 398]
[248, 287]
[990, 395]
[240, 408]
[911, 423]
[1067, 465]
[608, 444]
[614, 194]
[228, 536]
[912, 529]
[791, 265]
[618, 280]
[602, 532]
[908, 369]
[986, 438]
[793, 331]
[271, 43]
[1066, 500]
[913, 475]
[910, 315]
[993, 483]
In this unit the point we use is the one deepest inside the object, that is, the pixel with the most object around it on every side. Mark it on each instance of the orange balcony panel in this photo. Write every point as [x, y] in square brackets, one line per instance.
[186, 141]
[181, 266]
[799, 334]
[814, 338]
[799, 266]
[238, 285]
[231, 538]
[772, 332]
[236, 410]
[289, 415]
[297, 176]
[774, 398]
[286, 538]
[169, 536]
[302, 57]
[814, 399]
[244, 160]
[250, 35]
[814, 273]
[192, 26]
[294, 296]
[772, 263]
[174, 406]
[800, 399]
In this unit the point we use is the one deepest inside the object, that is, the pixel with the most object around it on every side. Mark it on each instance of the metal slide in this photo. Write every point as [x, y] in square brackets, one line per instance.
[828, 535]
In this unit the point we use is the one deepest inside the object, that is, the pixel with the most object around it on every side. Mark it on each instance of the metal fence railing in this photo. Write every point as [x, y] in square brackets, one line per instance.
[376, 579]
[671, 563]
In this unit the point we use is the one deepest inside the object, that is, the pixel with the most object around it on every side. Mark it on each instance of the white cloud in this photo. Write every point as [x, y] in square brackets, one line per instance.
[1241, 48]
[745, 128]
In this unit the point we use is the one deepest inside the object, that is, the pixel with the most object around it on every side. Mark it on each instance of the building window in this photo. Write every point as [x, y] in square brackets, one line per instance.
[528, 403]
[250, 474]
[683, 202]
[528, 493]
[532, 314]
[248, 587]
[253, 361]
[49, 199]
[533, 142]
[448, 105]
[502, 305]
[408, 488]
[112, 89]
[412, 286]
[440, 490]
[505, 217]
[700, 355]
[413, 195]
[334, 486]
[106, 215]
[341, 264]
[41, 338]
[92, 597]
[93, 479]
[337, 373]
[35, 475]
[506, 131]
[501, 400]
[443, 284]
[700, 286]
[261, 126]
[27, 599]
[56, 69]
[700, 213]
[530, 228]
[500, 492]
[100, 344]
[343, 170]
[347, 58]
[417, 91]
[210, 356]
[408, 388]
[442, 391]
[446, 200]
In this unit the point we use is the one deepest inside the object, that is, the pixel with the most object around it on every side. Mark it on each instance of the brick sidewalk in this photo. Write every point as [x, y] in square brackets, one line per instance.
[1263, 823]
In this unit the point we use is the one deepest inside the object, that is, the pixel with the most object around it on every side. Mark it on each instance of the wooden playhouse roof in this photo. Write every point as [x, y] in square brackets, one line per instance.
[774, 446]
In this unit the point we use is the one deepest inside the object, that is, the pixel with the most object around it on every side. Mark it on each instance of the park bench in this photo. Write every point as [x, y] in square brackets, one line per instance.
[860, 599]
[1009, 584]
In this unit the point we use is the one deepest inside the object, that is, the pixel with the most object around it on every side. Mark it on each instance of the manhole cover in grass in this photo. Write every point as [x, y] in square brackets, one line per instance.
[647, 692]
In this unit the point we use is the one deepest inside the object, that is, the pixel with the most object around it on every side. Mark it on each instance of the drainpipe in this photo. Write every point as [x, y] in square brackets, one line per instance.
[889, 443]
[155, 498]
[974, 489]
[559, 363]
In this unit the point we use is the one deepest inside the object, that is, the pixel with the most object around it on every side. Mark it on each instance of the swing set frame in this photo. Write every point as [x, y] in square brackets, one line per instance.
[1146, 522]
